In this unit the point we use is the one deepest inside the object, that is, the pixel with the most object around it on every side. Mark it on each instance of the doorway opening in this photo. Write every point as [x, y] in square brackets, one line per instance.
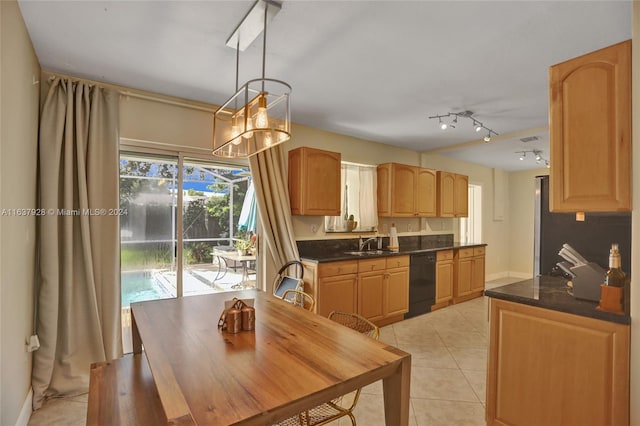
[471, 226]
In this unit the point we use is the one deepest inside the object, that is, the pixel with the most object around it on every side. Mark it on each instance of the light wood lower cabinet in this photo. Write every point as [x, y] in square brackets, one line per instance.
[371, 281]
[553, 368]
[444, 278]
[469, 273]
[396, 288]
[333, 285]
[377, 288]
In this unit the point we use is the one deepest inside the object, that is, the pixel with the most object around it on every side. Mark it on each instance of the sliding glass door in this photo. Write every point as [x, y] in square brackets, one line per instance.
[147, 237]
[182, 225]
[212, 228]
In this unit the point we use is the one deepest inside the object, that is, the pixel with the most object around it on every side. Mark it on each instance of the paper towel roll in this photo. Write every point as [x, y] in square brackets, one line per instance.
[393, 238]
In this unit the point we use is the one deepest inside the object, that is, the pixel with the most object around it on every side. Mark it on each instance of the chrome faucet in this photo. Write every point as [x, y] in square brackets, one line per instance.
[366, 242]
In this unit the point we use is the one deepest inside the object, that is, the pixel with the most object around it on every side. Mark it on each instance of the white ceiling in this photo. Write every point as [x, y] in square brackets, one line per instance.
[371, 69]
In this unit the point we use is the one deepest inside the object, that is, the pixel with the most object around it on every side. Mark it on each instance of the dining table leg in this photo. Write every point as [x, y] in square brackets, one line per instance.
[396, 389]
[135, 336]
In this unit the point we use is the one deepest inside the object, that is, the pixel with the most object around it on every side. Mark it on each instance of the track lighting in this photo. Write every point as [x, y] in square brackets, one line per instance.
[477, 126]
[537, 154]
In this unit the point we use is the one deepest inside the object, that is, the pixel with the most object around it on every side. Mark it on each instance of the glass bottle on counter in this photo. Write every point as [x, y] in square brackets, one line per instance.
[615, 276]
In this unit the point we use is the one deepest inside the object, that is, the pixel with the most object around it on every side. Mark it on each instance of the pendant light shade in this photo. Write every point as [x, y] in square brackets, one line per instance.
[262, 122]
[257, 116]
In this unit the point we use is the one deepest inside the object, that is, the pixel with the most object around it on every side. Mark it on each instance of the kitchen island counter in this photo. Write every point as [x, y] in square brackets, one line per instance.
[552, 293]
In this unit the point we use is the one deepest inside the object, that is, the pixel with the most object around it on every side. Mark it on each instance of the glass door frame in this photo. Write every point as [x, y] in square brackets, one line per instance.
[130, 147]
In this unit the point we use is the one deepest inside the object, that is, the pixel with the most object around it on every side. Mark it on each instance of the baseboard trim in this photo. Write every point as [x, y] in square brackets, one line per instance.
[508, 274]
[27, 409]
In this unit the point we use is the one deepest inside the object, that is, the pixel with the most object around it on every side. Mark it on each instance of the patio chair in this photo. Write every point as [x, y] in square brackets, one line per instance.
[342, 406]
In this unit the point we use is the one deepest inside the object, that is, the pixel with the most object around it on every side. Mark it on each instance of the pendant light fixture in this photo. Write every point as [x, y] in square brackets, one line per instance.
[257, 116]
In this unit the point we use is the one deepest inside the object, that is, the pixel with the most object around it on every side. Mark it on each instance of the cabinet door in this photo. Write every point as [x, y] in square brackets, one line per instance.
[384, 189]
[461, 196]
[403, 192]
[425, 197]
[444, 281]
[552, 368]
[463, 276]
[370, 295]
[478, 278]
[396, 291]
[314, 182]
[337, 294]
[446, 185]
[590, 131]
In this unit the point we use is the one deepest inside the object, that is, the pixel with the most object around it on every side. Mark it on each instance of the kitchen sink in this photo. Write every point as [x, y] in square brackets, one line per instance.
[364, 252]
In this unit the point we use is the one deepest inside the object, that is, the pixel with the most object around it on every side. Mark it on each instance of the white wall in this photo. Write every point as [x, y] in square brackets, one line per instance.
[18, 144]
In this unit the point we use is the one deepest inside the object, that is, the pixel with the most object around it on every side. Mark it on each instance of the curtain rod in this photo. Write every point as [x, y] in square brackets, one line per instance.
[126, 92]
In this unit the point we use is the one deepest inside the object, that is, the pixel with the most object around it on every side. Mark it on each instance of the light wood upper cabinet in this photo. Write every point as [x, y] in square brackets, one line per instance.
[446, 189]
[426, 191]
[314, 182]
[590, 131]
[452, 195]
[461, 196]
[406, 191]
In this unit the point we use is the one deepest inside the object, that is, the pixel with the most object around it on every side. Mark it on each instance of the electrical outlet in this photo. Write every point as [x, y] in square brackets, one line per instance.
[314, 228]
[409, 227]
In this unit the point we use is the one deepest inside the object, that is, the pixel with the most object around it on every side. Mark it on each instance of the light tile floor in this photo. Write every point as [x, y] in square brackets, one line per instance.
[448, 371]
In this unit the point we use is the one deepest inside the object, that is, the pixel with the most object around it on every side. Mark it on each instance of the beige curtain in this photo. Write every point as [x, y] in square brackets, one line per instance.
[78, 312]
[272, 196]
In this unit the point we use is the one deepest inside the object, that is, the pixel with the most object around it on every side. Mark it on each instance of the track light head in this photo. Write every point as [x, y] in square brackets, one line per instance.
[443, 125]
[487, 138]
[477, 126]
[522, 156]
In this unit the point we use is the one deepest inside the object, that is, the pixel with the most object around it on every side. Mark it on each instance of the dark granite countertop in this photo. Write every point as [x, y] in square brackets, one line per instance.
[551, 293]
[337, 254]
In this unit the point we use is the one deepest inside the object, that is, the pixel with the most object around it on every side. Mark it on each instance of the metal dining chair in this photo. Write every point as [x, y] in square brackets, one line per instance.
[288, 277]
[342, 406]
[299, 298]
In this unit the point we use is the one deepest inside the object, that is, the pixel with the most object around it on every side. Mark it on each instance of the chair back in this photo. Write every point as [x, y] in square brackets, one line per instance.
[289, 277]
[299, 298]
[356, 322]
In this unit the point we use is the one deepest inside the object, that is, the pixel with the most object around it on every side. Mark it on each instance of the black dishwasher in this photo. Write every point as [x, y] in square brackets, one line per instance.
[422, 283]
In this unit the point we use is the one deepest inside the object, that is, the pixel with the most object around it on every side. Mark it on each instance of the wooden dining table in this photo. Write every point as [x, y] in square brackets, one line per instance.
[293, 360]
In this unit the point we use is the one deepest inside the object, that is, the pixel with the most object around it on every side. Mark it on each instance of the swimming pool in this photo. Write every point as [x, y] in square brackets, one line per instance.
[140, 286]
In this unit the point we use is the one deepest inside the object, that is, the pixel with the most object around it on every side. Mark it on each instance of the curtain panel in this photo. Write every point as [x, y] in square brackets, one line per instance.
[78, 294]
[272, 196]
